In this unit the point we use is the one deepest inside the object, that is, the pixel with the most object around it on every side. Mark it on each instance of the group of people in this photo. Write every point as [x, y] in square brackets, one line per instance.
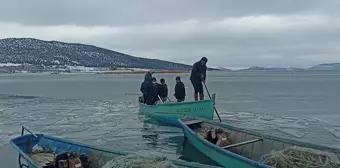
[154, 92]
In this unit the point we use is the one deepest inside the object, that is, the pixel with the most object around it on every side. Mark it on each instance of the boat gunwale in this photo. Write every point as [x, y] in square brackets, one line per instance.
[25, 156]
[223, 151]
[265, 136]
[178, 103]
[276, 138]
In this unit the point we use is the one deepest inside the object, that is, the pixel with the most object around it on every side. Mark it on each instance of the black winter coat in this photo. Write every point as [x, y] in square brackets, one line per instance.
[180, 90]
[197, 71]
[163, 90]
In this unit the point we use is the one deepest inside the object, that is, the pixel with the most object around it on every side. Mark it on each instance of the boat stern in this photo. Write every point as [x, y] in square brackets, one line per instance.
[26, 143]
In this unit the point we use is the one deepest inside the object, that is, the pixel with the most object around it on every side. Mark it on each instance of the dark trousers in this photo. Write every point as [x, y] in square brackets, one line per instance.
[180, 99]
[198, 86]
[148, 99]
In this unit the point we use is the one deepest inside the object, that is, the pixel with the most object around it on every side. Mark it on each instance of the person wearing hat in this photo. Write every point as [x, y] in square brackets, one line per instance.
[156, 89]
[163, 90]
[179, 90]
[147, 89]
[198, 75]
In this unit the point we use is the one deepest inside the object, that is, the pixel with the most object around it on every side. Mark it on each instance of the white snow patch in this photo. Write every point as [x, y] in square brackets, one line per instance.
[134, 69]
[76, 62]
[81, 68]
[56, 62]
[9, 64]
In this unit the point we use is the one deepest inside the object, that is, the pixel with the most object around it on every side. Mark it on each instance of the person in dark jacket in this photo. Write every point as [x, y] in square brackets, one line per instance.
[156, 89]
[198, 75]
[147, 89]
[163, 90]
[179, 90]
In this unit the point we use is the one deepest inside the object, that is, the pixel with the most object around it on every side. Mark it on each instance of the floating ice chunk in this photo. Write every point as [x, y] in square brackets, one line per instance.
[291, 125]
[334, 131]
[289, 118]
[98, 113]
[314, 120]
[302, 122]
[227, 115]
[267, 118]
[293, 132]
[244, 116]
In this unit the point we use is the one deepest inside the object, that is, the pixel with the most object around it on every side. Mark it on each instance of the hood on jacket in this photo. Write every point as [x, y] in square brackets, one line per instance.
[148, 77]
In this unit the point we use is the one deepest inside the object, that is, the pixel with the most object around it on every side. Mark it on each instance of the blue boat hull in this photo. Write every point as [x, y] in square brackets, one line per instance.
[172, 121]
[248, 148]
[100, 156]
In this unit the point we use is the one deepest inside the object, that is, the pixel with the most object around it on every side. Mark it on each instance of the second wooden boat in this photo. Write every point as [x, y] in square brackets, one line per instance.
[170, 112]
[248, 148]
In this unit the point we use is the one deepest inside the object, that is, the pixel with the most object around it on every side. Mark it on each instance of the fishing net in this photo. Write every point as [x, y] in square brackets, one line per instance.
[204, 129]
[299, 157]
[139, 162]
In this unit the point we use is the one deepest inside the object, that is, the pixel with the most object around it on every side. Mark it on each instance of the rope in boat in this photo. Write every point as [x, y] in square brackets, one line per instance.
[132, 161]
[299, 157]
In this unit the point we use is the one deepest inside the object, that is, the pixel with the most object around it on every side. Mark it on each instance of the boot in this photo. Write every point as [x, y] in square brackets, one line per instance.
[196, 96]
[201, 96]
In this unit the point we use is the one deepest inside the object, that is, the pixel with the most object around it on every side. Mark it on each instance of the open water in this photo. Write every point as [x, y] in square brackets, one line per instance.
[94, 109]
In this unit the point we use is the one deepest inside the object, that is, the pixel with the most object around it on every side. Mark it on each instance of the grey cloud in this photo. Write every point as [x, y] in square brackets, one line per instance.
[230, 33]
[135, 12]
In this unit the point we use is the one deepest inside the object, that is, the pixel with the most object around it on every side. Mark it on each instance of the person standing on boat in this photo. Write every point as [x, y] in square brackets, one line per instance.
[198, 75]
[179, 90]
[163, 90]
[156, 89]
[147, 88]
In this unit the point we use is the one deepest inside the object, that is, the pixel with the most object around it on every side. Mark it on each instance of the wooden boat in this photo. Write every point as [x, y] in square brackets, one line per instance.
[169, 112]
[247, 147]
[97, 156]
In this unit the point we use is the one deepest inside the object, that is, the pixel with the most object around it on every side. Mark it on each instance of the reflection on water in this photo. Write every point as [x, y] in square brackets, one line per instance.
[184, 149]
[191, 154]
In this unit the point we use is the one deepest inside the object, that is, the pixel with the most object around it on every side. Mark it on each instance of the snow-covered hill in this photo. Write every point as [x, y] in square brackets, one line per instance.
[332, 66]
[38, 52]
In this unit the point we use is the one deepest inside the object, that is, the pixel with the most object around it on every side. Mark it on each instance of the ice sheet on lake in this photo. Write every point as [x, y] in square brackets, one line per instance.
[334, 131]
[245, 116]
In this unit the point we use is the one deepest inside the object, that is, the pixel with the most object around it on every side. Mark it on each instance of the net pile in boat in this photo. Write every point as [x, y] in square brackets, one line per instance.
[299, 157]
[133, 161]
[204, 129]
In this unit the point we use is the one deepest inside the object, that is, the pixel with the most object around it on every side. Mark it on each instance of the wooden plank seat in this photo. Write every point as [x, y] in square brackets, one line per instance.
[242, 143]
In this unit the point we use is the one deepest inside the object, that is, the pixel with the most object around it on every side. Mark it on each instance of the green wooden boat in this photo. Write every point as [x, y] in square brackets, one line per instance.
[97, 156]
[169, 112]
[247, 149]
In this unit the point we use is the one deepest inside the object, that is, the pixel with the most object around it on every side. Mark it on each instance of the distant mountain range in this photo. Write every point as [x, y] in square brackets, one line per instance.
[256, 68]
[331, 66]
[41, 53]
[48, 53]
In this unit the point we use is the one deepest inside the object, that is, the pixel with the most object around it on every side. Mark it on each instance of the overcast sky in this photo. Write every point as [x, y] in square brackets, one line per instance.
[232, 34]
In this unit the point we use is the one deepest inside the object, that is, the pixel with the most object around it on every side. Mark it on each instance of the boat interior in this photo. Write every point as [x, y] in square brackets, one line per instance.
[44, 150]
[253, 145]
